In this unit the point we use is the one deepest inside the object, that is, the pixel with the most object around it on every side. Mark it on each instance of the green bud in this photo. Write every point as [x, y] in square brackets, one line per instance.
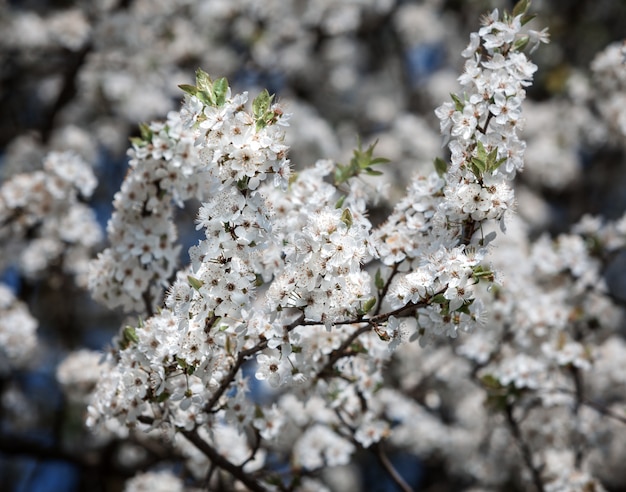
[346, 217]
[369, 304]
[441, 166]
[378, 280]
[163, 397]
[130, 335]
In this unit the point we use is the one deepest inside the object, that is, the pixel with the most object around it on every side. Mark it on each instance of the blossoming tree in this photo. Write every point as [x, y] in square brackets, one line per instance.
[303, 336]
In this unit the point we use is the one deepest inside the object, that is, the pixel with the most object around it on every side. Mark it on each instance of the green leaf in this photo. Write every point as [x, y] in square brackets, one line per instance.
[189, 89]
[188, 369]
[441, 166]
[481, 272]
[220, 89]
[358, 348]
[130, 335]
[379, 160]
[438, 299]
[339, 203]
[203, 81]
[465, 307]
[521, 7]
[145, 131]
[194, 282]
[274, 479]
[481, 152]
[261, 104]
[498, 395]
[362, 161]
[208, 98]
[342, 174]
[378, 280]
[458, 104]
[478, 166]
[521, 43]
[527, 18]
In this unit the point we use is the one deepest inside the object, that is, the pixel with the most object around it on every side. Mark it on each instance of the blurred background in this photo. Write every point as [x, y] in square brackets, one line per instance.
[80, 76]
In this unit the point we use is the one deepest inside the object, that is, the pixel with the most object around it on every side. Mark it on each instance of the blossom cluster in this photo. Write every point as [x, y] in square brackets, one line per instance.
[280, 277]
[609, 68]
[44, 221]
[540, 360]
[276, 353]
[18, 328]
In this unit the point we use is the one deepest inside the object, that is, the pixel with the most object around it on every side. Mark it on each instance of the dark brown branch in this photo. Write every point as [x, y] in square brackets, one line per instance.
[602, 410]
[385, 288]
[147, 300]
[578, 385]
[68, 91]
[389, 468]
[527, 454]
[218, 460]
[241, 358]
[340, 352]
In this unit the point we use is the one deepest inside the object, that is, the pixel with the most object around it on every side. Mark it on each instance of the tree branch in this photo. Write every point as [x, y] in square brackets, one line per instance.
[219, 460]
[524, 448]
[389, 468]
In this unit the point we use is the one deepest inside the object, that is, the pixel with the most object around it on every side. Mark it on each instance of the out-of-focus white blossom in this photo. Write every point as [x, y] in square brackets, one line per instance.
[44, 220]
[163, 481]
[17, 332]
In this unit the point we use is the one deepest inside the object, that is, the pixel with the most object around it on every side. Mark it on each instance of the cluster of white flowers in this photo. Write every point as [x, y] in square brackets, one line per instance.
[282, 349]
[280, 275]
[326, 240]
[78, 374]
[163, 481]
[43, 221]
[483, 122]
[18, 328]
[609, 68]
[438, 228]
[143, 256]
[536, 356]
[185, 351]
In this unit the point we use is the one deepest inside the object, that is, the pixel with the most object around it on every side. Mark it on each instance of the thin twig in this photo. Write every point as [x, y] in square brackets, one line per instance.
[389, 468]
[385, 288]
[220, 461]
[524, 448]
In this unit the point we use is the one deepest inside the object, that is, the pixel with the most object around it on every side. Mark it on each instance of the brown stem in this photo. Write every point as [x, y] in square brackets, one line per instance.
[385, 288]
[218, 460]
[468, 230]
[340, 352]
[68, 90]
[527, 454]
[389, 468]
[147, 300]
[578, 384]
[602, 410]
[241, 358]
